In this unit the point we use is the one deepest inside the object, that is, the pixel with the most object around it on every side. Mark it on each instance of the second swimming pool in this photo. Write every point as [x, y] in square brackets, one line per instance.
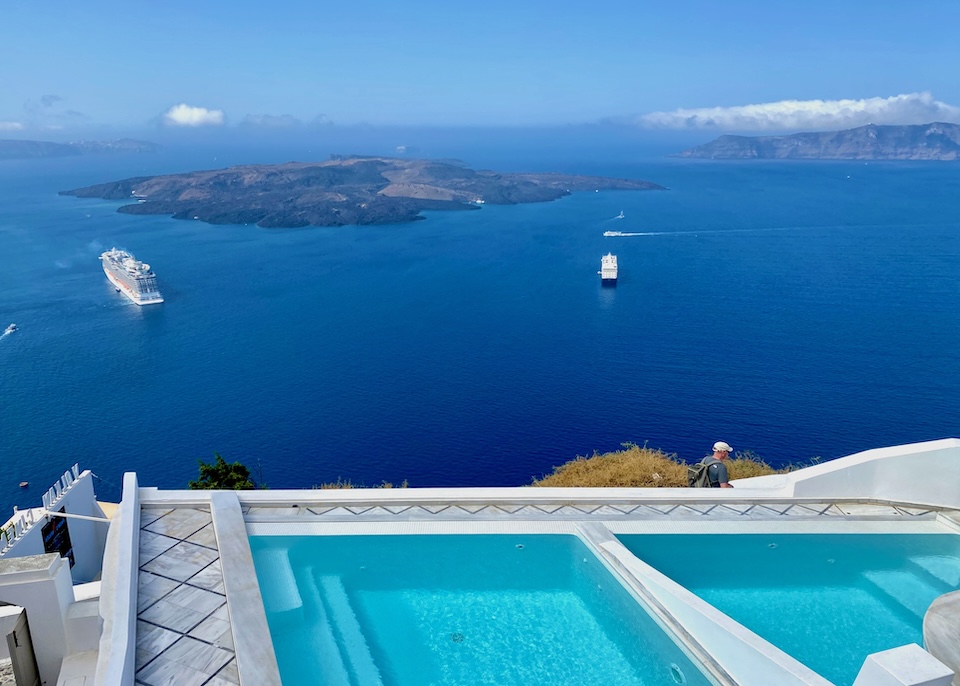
[827, 600]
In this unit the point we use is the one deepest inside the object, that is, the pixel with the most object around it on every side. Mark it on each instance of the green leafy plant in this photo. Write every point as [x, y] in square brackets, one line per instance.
[223, 475]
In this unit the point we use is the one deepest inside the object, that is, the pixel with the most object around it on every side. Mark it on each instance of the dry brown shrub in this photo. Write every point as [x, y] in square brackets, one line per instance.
[347, 483]
[744, 466]
[633, 467]
[637, 467]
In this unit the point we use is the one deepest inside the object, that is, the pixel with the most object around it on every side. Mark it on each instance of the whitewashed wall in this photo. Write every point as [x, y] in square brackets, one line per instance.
[924, 473]
[73, 493]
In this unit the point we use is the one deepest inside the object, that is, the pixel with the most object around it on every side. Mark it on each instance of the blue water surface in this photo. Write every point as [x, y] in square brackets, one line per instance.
[517, 610]
[827, 600]
[793, 309]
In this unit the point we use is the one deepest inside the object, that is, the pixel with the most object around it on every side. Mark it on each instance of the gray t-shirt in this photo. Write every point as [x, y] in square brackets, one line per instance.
[716, 470]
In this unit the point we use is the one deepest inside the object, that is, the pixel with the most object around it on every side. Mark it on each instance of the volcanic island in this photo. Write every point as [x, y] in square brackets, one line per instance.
[344, 190]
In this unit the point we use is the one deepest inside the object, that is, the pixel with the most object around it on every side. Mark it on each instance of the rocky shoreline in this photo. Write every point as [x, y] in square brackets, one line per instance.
[341, 191]
[937, 141]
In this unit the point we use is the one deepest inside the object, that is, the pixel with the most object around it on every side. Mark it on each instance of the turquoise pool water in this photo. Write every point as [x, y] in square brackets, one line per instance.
[827, 600]
[457, 610]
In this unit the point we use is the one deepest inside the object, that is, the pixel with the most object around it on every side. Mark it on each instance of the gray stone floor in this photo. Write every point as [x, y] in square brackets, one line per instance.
[6, 673]
[183, 628]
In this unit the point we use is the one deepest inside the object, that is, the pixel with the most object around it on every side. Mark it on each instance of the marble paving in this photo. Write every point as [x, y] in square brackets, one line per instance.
[183, 627]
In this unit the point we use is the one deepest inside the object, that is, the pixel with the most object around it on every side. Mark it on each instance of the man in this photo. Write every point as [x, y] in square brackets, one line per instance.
[716, 469]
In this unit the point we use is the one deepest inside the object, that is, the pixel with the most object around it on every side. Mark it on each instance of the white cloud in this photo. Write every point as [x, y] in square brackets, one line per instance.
[11, 126]
[787, 115]
[185, 115]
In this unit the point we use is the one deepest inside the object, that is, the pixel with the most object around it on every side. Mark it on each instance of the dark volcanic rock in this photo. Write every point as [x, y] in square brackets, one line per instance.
[342, 191]
[936, 141]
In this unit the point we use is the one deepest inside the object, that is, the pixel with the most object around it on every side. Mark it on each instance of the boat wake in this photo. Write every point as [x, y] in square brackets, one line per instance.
[703, 233]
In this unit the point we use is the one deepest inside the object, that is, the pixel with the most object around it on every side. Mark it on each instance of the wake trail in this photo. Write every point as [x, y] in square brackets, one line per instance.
[768, 229]
[623, 234]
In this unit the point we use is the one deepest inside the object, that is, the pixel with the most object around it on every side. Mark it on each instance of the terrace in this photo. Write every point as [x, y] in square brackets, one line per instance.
[182, 603]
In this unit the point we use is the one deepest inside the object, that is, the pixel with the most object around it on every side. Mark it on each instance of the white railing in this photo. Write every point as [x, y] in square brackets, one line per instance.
[21, 522]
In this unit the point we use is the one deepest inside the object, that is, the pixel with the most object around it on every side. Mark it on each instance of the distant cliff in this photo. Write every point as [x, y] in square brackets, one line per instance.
[341, 191]
[17, 150]
[937, 141]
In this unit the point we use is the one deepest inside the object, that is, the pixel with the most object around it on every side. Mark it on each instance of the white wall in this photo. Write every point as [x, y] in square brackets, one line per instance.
[41, 585]
[118, 591]
[923, 473]
[75, 494]
[743, 655]
[9, 614]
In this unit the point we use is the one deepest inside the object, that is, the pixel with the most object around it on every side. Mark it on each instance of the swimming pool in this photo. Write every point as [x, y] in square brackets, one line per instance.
[421, 610]
[827, 600]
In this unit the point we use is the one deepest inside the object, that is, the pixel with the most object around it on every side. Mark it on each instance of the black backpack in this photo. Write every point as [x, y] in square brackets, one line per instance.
[698, 475]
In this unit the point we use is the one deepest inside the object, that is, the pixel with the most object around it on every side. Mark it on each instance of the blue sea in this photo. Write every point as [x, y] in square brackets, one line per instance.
[796, 310]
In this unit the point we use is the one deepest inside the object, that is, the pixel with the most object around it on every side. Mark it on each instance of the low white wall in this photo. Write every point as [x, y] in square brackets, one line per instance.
[41, 584]
[922, 473]
[9, 615]
[74, 494]
[118, 591]
[745, 657]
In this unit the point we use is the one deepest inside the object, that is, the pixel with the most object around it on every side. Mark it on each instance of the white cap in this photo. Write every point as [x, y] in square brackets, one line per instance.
[721, 447]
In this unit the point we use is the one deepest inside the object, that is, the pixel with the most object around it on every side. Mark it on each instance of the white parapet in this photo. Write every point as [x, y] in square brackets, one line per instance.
[908, 665]
[41, 585]
[118, 591]
[922, 473]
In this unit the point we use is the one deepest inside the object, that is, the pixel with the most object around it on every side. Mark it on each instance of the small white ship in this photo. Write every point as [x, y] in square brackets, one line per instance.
[612, 233]
[10, 329]
[608, 269]
[131, 277]
[619, 216]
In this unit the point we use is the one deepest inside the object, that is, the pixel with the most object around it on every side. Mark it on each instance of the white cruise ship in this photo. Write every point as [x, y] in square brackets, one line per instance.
[608, 269]
[131, 277]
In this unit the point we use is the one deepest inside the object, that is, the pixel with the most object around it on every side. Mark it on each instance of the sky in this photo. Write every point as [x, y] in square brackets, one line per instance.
[739, 65]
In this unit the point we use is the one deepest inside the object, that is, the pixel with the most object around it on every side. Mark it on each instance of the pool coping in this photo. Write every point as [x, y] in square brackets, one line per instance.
[256, 659]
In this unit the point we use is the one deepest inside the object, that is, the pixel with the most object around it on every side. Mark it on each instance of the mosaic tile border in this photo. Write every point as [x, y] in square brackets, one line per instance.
[604, 511]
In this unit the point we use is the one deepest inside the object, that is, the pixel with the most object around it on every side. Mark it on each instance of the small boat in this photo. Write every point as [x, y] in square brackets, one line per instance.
[10, 329]
[24, 484]
[608, 270]
[619, 216]
[612, 233]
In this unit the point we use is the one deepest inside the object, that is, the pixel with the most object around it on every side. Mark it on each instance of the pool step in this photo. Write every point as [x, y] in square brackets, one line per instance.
[906, 589]
[352, 643]
[280, 593]
[324, 649]
[942, 567]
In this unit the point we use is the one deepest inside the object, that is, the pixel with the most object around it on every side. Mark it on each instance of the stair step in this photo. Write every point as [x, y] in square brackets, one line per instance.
[947, 569]
[906, 589]
[324, 652]
[352, 642]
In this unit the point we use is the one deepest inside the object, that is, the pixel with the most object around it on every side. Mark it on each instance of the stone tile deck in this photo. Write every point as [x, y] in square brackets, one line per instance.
[183, 627]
